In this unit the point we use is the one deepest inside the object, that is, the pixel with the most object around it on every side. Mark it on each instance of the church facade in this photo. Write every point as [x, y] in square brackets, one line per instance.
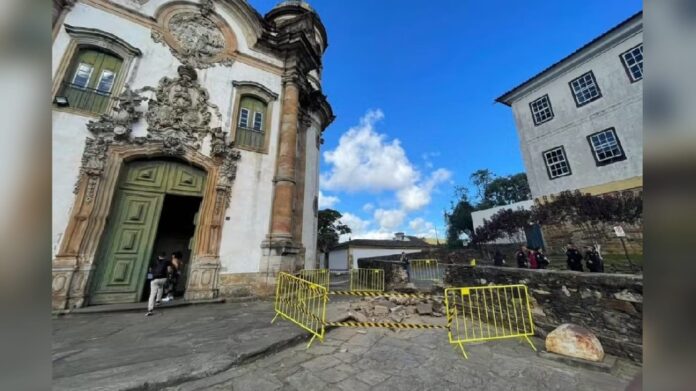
[187, 126]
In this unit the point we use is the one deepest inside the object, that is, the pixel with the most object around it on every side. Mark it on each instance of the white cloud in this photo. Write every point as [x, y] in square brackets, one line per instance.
[389, 220]
[422, 228]
[365, 160]
[418, 195]
[368, 161]
[326, 201]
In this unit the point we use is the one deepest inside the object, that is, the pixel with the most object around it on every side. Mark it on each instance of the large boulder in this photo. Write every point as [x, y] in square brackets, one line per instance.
[574, 341]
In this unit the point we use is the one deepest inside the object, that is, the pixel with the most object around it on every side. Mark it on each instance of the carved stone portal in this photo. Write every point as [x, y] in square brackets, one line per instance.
[178, 119]
[195, 35]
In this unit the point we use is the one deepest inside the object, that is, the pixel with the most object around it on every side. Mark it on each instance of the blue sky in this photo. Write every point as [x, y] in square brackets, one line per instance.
[412, 84]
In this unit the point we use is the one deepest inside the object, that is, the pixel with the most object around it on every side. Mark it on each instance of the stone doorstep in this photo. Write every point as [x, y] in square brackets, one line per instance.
[142, 306]
[607, 365]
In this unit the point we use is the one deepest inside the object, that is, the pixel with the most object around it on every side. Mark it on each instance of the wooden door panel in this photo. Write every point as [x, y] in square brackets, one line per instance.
[128, 247]
[185, 180]
[148, 175]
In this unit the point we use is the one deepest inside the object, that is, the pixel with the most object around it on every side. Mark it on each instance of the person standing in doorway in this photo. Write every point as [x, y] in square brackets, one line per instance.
[521, 255]
[407, 265]
[159, 277]
[574, 258]
[173, 276]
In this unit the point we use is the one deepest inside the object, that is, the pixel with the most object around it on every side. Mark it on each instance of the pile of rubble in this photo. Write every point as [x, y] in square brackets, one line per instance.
[396, 309]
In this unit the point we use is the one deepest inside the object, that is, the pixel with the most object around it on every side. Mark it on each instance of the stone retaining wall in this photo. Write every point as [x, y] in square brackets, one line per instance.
[611, 305]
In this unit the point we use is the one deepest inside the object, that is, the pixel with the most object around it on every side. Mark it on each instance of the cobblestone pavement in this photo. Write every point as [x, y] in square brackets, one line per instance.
[377, 359]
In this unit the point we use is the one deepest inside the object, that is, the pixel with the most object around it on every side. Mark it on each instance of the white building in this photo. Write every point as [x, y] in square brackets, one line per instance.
[190, 126]
[479, 216]
[580, 121]
[345, 255]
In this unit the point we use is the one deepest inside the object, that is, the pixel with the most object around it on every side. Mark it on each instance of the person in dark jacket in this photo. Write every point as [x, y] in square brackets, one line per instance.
[574, 258]
[533, 261]
[407, 265]
[593, 260]
[159, 270]
[541, 258]
[498, 258]
[173, 276]
[521, 255]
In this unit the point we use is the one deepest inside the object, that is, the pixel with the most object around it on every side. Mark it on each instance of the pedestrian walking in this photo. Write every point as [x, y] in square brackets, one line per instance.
[522, 258]
[159, 277]
[593, 260]
[498, 258]
[407, 265]
[173, 276]
[574, 258]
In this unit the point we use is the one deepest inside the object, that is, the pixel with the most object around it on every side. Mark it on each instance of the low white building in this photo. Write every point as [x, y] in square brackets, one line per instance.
[190, 126]
[580, 121]
[479, 216]
[345, 255]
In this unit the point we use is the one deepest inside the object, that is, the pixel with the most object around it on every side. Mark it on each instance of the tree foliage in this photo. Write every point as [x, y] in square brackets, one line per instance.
[330, 229]
[506, 190]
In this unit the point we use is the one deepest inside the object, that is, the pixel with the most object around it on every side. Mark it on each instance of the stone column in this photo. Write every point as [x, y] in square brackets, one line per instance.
[284, 191]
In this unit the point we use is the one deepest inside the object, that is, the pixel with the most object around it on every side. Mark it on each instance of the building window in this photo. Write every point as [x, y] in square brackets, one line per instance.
[251, 134]
[633, 63]
[556, 163]
[89, 81]
[606, 147]
[541, 110]
[585, 89]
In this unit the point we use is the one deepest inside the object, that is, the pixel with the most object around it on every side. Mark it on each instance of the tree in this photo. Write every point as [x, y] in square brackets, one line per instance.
[507, 190]
[329, 231]
[506, 222]
[459, 219]
[481, 178]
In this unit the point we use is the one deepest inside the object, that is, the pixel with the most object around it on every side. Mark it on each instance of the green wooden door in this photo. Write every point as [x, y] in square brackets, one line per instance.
[126, 248]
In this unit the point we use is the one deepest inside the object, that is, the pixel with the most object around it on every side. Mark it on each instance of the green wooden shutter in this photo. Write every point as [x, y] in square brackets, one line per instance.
[248, 136]
[89, 98]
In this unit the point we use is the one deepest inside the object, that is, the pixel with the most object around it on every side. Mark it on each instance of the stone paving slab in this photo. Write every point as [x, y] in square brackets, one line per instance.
[124, 351]
[384, 360]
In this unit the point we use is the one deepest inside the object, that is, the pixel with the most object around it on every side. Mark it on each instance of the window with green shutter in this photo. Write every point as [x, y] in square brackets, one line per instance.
[89, 83]
[251, 132]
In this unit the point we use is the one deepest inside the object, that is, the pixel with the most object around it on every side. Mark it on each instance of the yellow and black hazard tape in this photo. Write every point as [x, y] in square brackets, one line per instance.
[386, 325]
[379, 294]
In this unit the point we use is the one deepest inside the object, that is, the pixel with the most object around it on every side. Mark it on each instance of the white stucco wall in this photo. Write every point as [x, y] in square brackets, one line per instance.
[620, 107]
[338, 259]
[486, 214]
[377, 252]
[250, 208]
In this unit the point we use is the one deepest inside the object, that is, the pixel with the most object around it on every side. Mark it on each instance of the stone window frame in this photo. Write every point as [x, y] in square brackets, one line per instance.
[593, 79]
[91, 38]
[565, 159]
[265, 95]
[535, 112]
[613, 159]
[627, 67]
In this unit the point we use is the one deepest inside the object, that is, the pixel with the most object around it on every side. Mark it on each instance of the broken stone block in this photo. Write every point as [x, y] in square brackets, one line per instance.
[424, 308]
[625, 295]
[396, 308]
[574, 341]
[396, 317]
[381, 310]
[357, 316]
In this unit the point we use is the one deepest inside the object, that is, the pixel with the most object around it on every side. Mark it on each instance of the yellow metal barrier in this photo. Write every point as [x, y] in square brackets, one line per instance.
[316, 276]
[488, 313]
[367, 280]
[302, 303]
[425, 270]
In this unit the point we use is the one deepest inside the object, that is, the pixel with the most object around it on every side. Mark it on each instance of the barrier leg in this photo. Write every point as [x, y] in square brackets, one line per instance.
[530, 343]
[310, 341]
[461, 346]
[274, 318]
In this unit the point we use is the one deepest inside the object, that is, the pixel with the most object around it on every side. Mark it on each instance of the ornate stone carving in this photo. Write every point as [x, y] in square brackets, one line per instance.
[181, 113]
[195, 36]
[119, 125]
